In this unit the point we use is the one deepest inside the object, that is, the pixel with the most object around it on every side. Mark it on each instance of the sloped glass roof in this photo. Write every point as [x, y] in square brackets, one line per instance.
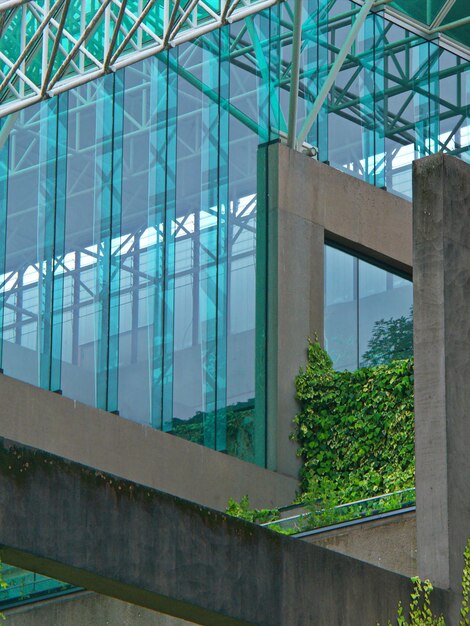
[448, 18]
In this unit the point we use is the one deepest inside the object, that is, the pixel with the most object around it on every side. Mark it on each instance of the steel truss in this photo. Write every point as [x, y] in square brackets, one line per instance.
[47, 46]
[403, 80]
[130, 259]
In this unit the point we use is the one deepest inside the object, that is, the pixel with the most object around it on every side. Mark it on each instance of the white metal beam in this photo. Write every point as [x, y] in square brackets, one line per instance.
[295, 71]
[440, 17]
[333, 73]
[139, 39]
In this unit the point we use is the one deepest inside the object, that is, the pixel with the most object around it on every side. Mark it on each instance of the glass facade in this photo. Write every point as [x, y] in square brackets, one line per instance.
[128, 206]
[129, 255]
[24, 586]
[368, 312]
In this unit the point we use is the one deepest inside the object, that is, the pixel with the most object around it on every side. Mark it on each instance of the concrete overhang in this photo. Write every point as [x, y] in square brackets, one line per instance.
[149, 548]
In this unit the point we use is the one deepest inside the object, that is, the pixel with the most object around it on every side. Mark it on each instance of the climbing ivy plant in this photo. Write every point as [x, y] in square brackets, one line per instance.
[3, 585]
[420, 613]
[355, 429]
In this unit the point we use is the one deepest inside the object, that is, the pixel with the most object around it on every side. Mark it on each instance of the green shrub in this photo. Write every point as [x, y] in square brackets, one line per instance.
[257, 516]
[420, 602]
[3, 585]
[355, 430]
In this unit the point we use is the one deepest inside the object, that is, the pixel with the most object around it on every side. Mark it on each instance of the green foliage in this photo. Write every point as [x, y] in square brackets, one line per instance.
[3, 585]
[420, 601]
[355, 430]
[420, 607]
[391, 340]
[464, 611]
[320, 500]
[257, 516]
[240, 429]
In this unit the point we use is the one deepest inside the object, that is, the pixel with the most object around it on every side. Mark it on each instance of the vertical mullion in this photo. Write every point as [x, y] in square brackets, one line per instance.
[169, 244]
[4, 158]
[264, 452]
[103, 234]
[222, 239]
[322, 34]
[260, 29]
[46, 236]
[158, 147]
[317, 67]
[59, 270]
[380, 116]
[427, 105]
[115, 238]
[264, 435]
[272, 43]
[365, 44]
[434, 118]
[464, 85]
[208, 252]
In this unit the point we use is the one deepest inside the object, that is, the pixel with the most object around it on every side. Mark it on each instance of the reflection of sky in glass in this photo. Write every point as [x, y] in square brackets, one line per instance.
[358, 295]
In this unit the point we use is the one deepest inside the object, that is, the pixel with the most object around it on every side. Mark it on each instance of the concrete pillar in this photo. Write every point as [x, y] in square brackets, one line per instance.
[441, 268]
[300, 203]
[293, 271]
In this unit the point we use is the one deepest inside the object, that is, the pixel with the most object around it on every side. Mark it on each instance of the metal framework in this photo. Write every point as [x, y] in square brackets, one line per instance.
[47, 47]
[439, 25]
[402, 80]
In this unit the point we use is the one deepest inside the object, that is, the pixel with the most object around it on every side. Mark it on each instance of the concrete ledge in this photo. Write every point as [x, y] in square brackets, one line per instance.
[389, 542]
[133, 451]
[363, 217]
[158, 551]
[88, 608]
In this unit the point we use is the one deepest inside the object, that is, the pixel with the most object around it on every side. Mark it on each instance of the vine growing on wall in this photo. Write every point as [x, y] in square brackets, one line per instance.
[355, 433]
[355, 429]
[420, 612]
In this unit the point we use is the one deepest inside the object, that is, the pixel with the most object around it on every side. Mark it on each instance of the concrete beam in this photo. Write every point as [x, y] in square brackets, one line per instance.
[137, 452]
[158, 551]
[363, 217]
[441, 223]
[302, 202]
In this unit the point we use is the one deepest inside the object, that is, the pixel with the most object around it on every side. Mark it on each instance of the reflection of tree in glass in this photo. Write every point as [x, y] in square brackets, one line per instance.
[391, 339]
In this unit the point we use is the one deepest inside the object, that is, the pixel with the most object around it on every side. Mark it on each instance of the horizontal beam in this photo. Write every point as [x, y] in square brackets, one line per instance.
[146, 547]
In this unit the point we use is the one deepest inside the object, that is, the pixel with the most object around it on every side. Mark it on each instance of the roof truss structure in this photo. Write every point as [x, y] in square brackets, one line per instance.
[65, 43]
[446, 21]
[50, 46]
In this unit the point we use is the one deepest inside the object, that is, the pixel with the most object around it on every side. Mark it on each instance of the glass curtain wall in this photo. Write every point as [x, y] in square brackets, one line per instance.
[128, 207]
[396, 98]
[128, 264]
[368, 312]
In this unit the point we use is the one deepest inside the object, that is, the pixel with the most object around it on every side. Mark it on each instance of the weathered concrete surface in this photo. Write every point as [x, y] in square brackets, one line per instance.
[305, 202]
[389, 543]
[441, 223]
[134, 451]
[157, 551]
[365, 218]
[295, 304]
[90, 609]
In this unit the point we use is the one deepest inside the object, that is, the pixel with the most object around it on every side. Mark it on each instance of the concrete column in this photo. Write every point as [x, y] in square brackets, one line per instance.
[441, 268]
[294, 298]
[300, 202]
